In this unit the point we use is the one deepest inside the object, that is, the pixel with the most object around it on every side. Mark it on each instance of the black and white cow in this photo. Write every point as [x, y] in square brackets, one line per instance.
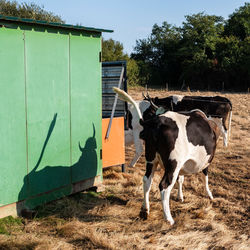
[217, 107]
[181, 143]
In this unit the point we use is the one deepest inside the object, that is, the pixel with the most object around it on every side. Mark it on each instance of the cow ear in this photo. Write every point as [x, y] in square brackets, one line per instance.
[160, 111]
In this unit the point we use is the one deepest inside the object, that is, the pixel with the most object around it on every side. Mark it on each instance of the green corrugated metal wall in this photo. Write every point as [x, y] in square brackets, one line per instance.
[50, 112]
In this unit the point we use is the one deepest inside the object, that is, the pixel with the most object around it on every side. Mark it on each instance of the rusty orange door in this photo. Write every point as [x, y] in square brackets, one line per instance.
[113, 149]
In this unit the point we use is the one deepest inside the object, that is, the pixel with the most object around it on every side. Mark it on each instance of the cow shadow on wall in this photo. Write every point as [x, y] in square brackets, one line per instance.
[45, 183]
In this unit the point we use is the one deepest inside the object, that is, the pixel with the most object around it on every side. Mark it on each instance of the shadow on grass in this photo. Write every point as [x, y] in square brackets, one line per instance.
[22, 246]
[79, 206]
[85, 241]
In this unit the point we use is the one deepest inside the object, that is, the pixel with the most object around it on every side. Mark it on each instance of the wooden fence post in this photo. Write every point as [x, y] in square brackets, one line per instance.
[166, 86]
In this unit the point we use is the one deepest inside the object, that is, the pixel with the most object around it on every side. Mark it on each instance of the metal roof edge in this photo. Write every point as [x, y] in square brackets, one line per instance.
[121, 62]
[46, 23]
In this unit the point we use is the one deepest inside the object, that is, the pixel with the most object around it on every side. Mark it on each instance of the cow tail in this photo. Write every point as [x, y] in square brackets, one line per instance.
[127, 98]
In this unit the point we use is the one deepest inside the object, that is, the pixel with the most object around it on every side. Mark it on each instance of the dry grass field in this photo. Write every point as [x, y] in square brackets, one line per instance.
[110, 219]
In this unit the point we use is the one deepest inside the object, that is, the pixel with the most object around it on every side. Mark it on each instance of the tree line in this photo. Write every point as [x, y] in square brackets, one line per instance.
[205, 53]
[27, 10]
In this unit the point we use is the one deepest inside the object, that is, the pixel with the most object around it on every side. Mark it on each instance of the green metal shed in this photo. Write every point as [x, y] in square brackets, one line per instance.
[50, 111]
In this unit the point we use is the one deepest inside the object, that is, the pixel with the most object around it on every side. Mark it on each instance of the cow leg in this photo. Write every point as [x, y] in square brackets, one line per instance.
[180, 182]
[129, 139]
[224, 132]
[166, 185]
[225, 137]
[229, 124]
[138, 151]
[147, 181]
[205, 179]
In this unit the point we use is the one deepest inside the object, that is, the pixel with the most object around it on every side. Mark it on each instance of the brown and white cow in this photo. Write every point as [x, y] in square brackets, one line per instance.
[181, 143]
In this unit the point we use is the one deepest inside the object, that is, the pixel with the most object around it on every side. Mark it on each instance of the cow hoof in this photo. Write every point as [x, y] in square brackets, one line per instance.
[180, 199]
[143, 214]
[171, 222]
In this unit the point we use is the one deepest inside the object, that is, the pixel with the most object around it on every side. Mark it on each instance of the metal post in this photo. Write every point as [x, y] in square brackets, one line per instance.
[123, 168]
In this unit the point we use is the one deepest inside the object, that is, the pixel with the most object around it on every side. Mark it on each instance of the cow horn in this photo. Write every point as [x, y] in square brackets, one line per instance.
[81, 149]
[147, 97]
[152, 104]
[93, 130]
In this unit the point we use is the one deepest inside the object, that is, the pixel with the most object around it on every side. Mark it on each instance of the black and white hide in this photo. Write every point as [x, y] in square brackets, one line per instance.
[216, 107]
[181, 143]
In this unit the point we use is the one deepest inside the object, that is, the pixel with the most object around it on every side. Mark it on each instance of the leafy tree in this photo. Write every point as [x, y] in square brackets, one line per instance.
[143, 56]
[238, 23]
[227, 52]
[233, 62]
[25, 10]
[112, 51]
[206, 52]
[165, 40]
[132, 72]
[200, 33]
[244, 59]
[244, 62]
[156, 55]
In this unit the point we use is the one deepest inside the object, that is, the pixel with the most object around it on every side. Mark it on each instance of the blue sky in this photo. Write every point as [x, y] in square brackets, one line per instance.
[133, 19]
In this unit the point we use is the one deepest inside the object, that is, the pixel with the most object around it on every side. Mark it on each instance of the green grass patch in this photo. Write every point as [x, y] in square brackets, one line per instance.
[91, 194]
[9, 224]
[85, 196]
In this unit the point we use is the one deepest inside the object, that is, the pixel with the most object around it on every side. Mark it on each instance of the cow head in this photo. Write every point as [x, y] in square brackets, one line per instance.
[151, 111]
[216, 125]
